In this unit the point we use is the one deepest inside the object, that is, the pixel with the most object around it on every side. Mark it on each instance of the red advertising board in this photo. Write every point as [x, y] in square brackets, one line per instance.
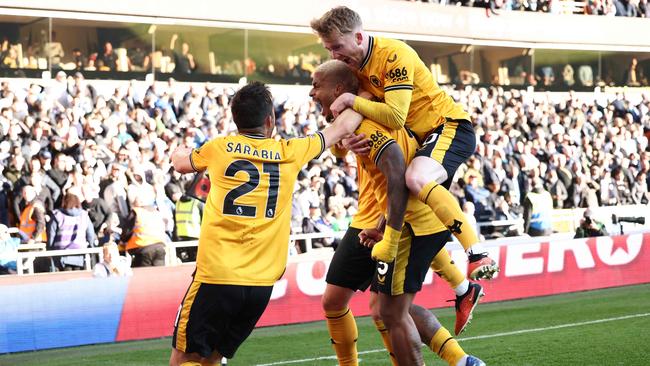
[528, 269]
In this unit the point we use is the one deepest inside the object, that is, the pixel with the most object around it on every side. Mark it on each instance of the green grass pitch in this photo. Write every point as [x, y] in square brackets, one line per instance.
[604, 327]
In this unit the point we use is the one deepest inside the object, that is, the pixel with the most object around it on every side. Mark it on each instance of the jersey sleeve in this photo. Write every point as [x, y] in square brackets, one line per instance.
[201, 157]
[307, 148]
[379, 136]
[400, 70]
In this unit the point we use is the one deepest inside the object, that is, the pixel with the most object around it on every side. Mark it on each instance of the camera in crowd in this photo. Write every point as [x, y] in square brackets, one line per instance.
[635, 220]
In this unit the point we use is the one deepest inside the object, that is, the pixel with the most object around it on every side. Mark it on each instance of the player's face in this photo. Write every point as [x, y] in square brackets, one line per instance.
[322, 92]
[346, 48]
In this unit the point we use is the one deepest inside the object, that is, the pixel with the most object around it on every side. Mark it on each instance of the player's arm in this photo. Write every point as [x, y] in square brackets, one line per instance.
[392, 165]
[391, 113]
[182, 160]
[345, 124]
[398, 92]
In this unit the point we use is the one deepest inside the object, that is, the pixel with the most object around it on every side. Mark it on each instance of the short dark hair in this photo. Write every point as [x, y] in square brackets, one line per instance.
[251, 105]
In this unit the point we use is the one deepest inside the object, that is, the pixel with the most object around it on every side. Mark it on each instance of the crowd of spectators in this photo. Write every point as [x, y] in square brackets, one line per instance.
[135, 55]
[619, 8]
[67, 149]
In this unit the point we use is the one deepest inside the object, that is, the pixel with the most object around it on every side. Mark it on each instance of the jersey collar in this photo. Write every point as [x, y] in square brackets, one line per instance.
[257, 136]
[371, 46]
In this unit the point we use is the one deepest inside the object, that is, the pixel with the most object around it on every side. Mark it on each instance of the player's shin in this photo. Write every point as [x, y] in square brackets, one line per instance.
[385, 337]
[446, 347]
[446, 208]
[444, 267]
[343, 332]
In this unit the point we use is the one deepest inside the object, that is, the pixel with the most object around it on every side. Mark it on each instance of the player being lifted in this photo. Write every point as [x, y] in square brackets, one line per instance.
[382, 189]
[245, 229]
[408, 96]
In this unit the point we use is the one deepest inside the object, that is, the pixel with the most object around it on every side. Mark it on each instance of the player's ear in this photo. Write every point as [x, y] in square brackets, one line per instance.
[358, 36]
[269, 122]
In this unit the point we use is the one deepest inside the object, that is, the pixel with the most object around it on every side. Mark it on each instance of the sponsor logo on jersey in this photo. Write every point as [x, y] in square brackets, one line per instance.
[397, 74]
[375, 81]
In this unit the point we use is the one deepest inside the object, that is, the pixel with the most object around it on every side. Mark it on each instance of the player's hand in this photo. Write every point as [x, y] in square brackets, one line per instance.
[358, 144]
[369, 237]
[343, 101]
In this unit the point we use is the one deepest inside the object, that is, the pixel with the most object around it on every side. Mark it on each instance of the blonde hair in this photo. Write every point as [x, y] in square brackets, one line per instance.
[341, 20]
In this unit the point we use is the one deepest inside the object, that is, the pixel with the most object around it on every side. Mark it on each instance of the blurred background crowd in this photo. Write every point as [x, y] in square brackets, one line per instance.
[68, 150]
[619, 8]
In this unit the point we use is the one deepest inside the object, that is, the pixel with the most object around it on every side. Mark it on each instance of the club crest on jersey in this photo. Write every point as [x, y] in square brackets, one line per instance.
[375, 81]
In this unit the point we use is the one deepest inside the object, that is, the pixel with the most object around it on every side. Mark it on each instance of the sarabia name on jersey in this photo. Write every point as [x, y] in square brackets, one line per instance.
[246, 149]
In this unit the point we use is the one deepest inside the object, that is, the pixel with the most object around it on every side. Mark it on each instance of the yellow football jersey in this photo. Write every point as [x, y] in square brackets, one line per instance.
[393, 65]
[418, 214]
[246, 221]
[368, 211]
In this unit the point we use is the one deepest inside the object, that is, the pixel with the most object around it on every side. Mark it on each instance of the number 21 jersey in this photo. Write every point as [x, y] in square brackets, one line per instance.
[247, 217]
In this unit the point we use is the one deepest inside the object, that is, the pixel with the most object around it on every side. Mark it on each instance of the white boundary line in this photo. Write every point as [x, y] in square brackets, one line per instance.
[496, 335]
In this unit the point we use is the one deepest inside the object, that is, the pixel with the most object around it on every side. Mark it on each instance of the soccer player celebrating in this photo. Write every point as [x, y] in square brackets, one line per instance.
[245, 229]
[383, 189]
[393, 72]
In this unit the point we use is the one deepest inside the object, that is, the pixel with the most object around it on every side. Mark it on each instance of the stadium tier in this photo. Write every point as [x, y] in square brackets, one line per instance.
[104, 107]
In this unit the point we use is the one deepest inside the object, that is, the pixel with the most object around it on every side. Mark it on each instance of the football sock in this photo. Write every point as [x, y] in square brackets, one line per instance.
[446, 347]
[191, 363]
[446, 208]
[343, 333]
[477, 248]
[444, 267]
[385, 337]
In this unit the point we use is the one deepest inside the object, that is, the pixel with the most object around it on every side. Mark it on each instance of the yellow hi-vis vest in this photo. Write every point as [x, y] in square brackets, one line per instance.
[148, 229]
[188, 218]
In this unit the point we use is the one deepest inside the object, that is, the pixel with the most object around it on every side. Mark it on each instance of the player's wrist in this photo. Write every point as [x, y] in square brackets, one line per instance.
[391, 235]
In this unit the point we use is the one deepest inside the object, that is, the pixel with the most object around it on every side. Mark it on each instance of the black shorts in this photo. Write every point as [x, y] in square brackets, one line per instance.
[351, 266]
[414, 256]
[451, 144]
[218, 317]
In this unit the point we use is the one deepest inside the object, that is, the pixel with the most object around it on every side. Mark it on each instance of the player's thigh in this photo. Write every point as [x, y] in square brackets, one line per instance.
[352, 266]
[255, 299]
[218, 318]
[450, 145]
[414, 255]
[423, 249]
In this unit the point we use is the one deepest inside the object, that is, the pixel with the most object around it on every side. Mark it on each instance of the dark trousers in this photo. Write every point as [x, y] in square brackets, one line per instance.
[151, 255]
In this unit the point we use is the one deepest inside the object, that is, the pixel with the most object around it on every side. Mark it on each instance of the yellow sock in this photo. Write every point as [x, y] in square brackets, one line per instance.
[191, 363]
[446, 347]
[446, 208]
[343, 333]
[385, 337]
[444, 266]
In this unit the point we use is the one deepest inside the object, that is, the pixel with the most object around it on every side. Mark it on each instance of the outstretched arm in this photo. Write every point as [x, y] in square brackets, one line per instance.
[345, 124]
[182, 160]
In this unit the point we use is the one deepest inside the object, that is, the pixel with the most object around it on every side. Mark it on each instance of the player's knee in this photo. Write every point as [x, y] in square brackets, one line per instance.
[332, 303]
[389, 317]
[423, 171]
[413, 181]
[374, 313]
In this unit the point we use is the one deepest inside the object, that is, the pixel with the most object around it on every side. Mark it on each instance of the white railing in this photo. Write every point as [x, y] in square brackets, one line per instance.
[28, 253]
[25, 260]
